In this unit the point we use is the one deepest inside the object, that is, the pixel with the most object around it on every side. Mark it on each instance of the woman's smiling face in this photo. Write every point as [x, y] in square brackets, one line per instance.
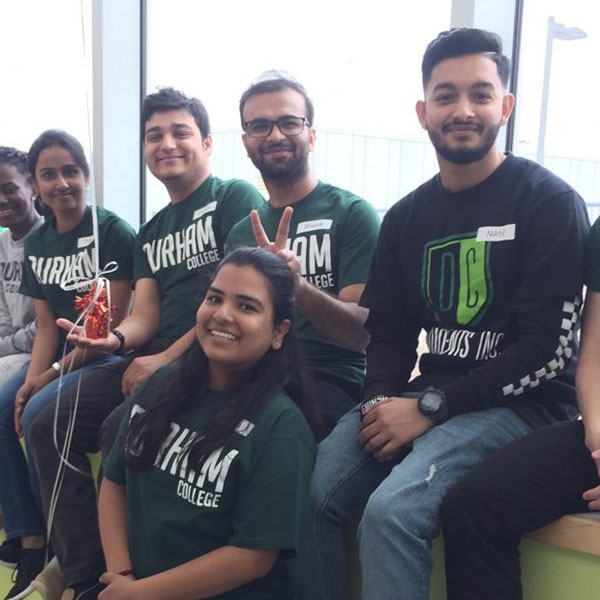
[16, 196]
[234, 324]
[60, 180]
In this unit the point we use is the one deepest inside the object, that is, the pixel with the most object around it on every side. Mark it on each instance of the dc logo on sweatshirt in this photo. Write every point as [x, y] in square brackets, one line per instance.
[456, 280]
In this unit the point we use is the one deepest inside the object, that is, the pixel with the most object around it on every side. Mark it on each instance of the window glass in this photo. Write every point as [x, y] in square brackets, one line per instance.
[44, 69]
[568, 145]
[360, 63]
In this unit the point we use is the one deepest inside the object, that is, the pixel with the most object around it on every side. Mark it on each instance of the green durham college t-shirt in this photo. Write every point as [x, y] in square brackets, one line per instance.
[250, 494]
[181, 245]
[592, 265]
[334, 233]
[52, 259]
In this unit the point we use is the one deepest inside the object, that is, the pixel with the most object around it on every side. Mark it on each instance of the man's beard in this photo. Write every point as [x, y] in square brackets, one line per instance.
[289, 169]
[465, 155]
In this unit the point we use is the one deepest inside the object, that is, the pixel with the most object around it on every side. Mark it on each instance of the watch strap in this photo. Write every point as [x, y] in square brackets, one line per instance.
[121, 339]
[371, 402]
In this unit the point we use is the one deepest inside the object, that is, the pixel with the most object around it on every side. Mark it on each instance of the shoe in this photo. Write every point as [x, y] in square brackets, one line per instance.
[31, 563]
[49, 583]
[10, 552]
[88, 590]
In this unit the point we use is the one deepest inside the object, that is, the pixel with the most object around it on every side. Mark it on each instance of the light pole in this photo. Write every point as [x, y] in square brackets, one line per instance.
[558, 31]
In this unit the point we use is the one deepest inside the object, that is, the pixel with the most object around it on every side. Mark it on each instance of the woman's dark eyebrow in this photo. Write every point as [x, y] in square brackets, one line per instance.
[243, 297]
[249, 299]
[69, 166]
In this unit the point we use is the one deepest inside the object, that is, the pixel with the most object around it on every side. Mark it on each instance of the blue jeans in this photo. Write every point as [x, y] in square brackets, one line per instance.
[401, 504]
[20, 498]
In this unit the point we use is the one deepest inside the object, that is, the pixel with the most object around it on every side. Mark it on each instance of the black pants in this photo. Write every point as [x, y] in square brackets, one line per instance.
[522, 487]
[75, 536]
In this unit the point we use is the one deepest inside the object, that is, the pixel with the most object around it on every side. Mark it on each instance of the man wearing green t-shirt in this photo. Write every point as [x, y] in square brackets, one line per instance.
[174, 255]
[325, 234]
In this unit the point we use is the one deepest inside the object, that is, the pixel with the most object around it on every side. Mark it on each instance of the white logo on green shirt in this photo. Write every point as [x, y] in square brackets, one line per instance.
[195, 244]
[314, 255]
[55, 270]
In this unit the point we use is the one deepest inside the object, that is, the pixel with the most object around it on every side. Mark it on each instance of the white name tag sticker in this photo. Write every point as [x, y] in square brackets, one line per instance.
[306, 226]
[205, 209]
[84, 242]
[503, 233]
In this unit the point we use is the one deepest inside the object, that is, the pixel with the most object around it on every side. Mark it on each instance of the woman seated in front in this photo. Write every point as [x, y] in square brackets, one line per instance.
[206, 487]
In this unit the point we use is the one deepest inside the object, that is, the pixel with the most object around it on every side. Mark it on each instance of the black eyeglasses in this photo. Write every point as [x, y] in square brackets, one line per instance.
[261, 128]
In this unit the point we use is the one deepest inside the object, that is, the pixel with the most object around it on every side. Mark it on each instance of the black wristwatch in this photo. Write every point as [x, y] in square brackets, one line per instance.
[432, 403]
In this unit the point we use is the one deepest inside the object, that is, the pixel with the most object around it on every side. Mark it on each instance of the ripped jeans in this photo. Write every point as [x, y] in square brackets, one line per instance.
[401, 502]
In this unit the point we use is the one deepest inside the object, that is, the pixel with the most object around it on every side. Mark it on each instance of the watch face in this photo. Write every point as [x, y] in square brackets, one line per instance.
[431, 401]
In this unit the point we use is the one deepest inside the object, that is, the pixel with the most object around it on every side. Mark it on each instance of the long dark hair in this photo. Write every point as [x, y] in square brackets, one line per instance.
[277, 369]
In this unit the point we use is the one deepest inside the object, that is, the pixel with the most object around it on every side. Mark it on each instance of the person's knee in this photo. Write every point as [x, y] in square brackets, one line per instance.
[403, 515]
[379, 515]
[466, 507]
[7, 415]
[39, 430]
[319, 496]
[329, 500]
[31, 411]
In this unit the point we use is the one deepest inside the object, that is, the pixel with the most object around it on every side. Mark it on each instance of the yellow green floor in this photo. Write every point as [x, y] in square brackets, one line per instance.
[549, 573]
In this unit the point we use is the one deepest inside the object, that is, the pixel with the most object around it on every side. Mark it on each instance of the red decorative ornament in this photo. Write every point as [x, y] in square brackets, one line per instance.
[97, 313]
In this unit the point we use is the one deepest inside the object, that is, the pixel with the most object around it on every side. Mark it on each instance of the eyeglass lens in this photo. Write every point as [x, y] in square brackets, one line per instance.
[287, 126]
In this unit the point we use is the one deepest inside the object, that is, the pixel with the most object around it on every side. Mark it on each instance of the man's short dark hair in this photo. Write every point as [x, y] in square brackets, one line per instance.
[276, 81]
[168, 98]
[462, 41]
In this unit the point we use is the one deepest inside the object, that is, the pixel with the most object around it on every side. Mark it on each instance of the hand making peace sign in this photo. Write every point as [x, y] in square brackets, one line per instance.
[277, 247]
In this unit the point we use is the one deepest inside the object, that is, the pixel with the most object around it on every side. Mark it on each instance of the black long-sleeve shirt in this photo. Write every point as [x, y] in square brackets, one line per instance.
[494, 276]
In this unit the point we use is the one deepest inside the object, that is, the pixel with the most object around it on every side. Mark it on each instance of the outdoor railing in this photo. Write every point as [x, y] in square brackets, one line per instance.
[383, 170]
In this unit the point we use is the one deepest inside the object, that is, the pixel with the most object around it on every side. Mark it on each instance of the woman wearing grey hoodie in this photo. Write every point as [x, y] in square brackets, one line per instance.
[19, 215]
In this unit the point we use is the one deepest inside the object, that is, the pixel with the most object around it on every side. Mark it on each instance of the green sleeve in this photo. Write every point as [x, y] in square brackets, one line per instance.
[357, 244]
[30, 286]
[592, 263]
[116, 244]
[113, 467]
[271, 506]
[240, 235]
[239, 199]
[141, 267]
